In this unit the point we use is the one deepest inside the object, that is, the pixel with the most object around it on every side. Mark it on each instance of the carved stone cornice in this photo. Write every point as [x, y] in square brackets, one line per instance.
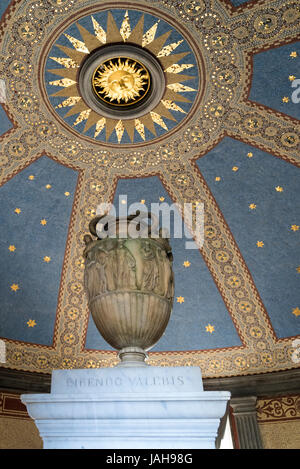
[268, 384]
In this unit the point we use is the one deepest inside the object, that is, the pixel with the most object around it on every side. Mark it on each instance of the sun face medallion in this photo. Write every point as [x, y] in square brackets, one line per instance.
[121, 81]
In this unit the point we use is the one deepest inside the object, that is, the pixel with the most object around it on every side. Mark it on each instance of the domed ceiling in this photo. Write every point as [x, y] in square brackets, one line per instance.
[151, 102]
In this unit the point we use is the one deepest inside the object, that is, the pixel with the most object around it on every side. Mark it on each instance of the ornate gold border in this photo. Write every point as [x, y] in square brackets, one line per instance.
[279, 408]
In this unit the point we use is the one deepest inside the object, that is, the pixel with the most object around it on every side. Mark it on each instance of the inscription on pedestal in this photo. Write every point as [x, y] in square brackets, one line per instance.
[152, 379]
[119, 381]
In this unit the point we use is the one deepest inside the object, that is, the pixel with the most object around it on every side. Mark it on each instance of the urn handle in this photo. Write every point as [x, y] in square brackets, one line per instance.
[145, 229]
[93, 223]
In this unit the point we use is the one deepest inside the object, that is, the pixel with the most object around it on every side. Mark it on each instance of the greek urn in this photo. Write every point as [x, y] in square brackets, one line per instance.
[129, 283]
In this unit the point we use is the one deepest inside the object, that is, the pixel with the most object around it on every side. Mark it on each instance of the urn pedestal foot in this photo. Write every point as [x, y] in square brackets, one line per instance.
[132, 357]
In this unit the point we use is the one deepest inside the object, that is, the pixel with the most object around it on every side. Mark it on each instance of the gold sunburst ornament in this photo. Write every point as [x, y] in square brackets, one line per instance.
[124, 83]
[121, 81]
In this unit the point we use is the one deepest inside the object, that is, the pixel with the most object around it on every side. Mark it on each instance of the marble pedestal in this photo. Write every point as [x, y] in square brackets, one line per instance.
[137, 407]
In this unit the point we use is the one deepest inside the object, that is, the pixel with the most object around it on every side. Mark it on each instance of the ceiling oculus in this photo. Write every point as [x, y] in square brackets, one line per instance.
[121, 76]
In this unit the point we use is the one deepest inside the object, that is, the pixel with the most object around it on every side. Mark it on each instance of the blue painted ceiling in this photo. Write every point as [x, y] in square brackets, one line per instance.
[253, 190]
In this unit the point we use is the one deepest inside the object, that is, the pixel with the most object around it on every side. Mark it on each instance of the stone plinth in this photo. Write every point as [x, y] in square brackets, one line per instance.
[140, 407]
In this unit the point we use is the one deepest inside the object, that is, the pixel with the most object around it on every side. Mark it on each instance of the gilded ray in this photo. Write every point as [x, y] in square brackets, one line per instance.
[67, 63]
[64, 82]
[177, 68]
[78, 45]
[179, 88]
[92, 42]
[92, 120]
[149, 35]
[125, 29]
[140, 128]
[162, 111]
[167, 50]
[136, 35]
[175, 78]
[70, 73]
[100, 126]
[148, 122]
[69, 102]
[171, 59]
[110, 126]
[70, 91]
[72, 53]
[79, 107]
[129, 127]
[99, 31]
[173, 106]
[112, 31]
[82, 116]
[119, 130]
[170, 95]
[156, 45]
[158, 120]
